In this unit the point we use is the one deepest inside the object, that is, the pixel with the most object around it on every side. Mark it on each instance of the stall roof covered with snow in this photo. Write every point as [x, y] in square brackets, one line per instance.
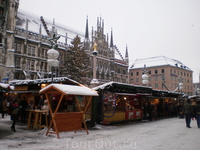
[164, 93]
[33, 86]
[123, 88]
[69, 89]
[67, 121]
[117, 87]
[6, 87]
[45, 80]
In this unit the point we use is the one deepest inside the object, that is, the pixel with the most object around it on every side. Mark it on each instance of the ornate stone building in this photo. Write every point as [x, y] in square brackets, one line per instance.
[24, 42]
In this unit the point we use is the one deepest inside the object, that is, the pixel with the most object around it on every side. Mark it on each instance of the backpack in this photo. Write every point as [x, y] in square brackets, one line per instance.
[15, 111]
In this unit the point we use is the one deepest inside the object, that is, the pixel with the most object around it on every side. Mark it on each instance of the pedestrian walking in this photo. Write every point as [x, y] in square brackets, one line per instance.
[197, 113]
[14, 114]
[188, 111]
[193, 105]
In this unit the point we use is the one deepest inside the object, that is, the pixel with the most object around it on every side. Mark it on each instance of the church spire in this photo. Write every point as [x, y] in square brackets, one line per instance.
[87, 40]
[126, 55]
[111, 39]
[86, 29]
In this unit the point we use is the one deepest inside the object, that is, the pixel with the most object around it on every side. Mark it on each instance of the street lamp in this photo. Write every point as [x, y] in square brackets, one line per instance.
[53, 54]
[198, 91]
[145, 77]
[180, 84]
[94, 81]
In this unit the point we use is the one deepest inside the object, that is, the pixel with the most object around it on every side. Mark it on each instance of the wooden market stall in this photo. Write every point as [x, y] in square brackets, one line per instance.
[63, 121]
[119, 102]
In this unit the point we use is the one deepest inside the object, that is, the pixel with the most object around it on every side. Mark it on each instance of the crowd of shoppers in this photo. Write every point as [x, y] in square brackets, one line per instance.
[17, 109]
[153, 111]
[190, 110]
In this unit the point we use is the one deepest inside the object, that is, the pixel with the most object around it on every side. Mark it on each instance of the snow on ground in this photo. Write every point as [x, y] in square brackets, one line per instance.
[164, 134]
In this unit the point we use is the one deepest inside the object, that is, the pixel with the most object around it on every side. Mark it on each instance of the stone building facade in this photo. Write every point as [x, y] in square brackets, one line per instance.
[24, 42]
[164, 74]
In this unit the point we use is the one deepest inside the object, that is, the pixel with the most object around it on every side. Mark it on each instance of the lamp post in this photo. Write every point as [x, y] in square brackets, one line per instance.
[53, 54]
[180, 84]
[145, 77]
[198, 91]
[94, 81]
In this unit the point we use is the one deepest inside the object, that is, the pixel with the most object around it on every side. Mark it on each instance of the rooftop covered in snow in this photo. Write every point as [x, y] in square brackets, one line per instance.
[123, 89]
[118, 87]
[34, 23]
[158, 61]
[45, 80]
[70, 89]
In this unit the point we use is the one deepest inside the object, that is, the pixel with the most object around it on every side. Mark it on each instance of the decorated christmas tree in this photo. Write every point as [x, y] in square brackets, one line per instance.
[76, 64]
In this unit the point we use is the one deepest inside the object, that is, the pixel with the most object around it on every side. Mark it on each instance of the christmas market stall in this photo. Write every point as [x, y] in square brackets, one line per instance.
[120, 102]
[162, 96]
[164, 99]
[30, 88]
[68, 113]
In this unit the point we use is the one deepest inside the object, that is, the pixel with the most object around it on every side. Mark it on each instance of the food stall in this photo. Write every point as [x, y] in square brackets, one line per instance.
[69, 112]
[30, 88]
[120, 102]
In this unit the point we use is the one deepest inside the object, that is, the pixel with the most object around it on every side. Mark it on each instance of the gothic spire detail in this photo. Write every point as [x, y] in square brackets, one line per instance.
[86, 29]
[111, 38]
[126, 55]
[87, 40]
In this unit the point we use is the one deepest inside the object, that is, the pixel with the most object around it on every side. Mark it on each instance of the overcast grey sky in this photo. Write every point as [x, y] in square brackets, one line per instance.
[148, 27]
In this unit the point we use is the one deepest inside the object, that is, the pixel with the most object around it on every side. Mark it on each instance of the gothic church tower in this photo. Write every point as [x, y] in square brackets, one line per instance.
[8, 13]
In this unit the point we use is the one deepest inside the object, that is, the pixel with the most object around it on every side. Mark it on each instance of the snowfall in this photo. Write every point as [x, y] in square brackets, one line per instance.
[163, 134]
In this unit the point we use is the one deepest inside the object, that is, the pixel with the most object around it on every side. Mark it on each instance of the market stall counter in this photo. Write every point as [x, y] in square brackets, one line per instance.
[36, 123]
[68, 117]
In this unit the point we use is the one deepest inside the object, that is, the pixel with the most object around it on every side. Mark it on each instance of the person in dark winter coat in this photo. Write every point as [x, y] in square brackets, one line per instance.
[14, 114]
[23, 106]
[154, 112]
[188, 111]
[166, 109]
[149, 111]
[4, 107]
[145, 111]
[197, 113]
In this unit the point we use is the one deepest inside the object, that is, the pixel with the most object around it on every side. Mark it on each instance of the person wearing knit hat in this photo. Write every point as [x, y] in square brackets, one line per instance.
[188, 111]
